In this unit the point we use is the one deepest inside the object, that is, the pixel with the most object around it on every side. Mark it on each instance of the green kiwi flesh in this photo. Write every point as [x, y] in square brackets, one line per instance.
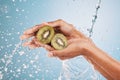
[59, 41]
[45, 34]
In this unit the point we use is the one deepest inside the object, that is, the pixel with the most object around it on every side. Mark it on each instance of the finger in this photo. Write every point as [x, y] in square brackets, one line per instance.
[38, 43]
[25, 36]
[64, 27]
[63, 58]
[68, 37]
[35, 28]
[72, 40]
[32, 46]
[49, 48]
[57, 23]
[27, 43]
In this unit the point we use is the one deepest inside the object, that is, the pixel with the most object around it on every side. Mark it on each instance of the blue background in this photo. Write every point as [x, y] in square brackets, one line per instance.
[19, 15]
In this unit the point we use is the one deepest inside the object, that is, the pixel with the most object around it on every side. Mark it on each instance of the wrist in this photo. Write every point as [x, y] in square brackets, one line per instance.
[89, 48]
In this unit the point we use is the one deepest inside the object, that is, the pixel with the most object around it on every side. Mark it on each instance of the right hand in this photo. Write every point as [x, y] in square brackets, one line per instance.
[76, 40]
[65, 28]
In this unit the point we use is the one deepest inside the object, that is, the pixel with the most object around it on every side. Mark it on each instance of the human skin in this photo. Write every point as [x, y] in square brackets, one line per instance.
[78, 44]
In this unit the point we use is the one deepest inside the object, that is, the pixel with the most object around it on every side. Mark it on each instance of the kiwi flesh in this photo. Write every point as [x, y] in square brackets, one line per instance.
[59, 41]
[45, 34]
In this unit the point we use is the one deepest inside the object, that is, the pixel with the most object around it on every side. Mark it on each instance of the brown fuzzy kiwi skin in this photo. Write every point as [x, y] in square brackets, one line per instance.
[40, 34]
[54, 41]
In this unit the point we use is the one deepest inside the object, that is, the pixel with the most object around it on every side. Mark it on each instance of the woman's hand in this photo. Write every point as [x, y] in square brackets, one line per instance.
[77, 42]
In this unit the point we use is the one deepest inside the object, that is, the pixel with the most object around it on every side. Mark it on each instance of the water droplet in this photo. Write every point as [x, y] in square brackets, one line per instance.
[9, 34]
[6, 69]
[36, 72]
[21, 23]
[1, 47]
[25, 66]
[3, 60]
[16, 76]
[32, 4]
[35, 66]
[47, 71]
[21, 53]
[17, 10]
[18, 70]
[118, 48]
[13, 29]
[31, 61]
[22, 10]
[19, 14]
[13, 38]
[2, 37]
[11, 71]
[6, 40]
[8, 61]
[13, 0]
[18, 60]
[26, 17]
[1, 76]
[30, 75]
[4, 9]
[18, 32]
[36, 57]
[97, 6]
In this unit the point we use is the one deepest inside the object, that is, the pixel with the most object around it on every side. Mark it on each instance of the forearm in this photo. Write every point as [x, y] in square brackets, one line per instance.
[107, 63]
[98, 68]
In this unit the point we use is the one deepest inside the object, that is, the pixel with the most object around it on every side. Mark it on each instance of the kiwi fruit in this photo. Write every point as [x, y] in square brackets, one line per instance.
[45, 34]
[48, 35]
[59, 41]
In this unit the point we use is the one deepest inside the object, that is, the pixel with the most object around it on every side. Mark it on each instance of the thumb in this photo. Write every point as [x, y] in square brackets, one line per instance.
[59, 53]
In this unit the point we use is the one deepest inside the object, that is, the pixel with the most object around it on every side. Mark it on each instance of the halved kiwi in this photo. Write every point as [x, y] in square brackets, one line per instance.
[45, 34]
[59, 41]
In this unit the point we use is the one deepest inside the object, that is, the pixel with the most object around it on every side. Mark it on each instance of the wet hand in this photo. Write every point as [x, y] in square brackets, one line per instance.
[77, 42]
[31, 33]
[64, 27]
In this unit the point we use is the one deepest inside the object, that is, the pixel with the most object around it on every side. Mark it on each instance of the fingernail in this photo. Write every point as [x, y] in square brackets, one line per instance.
[50, 54]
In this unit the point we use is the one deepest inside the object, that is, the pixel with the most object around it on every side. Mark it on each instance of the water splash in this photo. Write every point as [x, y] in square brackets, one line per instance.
[7, 60]
[94, 18]
[71, 71]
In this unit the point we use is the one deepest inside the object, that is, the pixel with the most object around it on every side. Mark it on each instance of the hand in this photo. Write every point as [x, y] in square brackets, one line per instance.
[31, 33]
[66, 28]
[77, 42]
